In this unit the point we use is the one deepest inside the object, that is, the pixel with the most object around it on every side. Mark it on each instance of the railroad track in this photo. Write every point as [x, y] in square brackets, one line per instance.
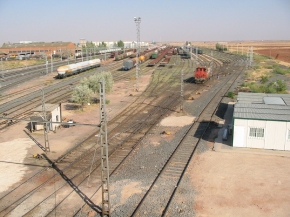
[173, 170]
[135, 132]
[55, 93]
[19, 201]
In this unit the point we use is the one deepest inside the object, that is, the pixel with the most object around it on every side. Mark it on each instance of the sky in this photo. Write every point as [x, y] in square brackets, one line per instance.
[161, 20]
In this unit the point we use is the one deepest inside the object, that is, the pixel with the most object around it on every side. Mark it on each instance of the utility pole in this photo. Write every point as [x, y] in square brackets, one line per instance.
[87, 53]
[196, 57]
[2, 72]
[104, 152]
[46, 64]
[45, 125]
[181, 90]
[137, 21]
[51, 64]
[2, 69]
[251, 55]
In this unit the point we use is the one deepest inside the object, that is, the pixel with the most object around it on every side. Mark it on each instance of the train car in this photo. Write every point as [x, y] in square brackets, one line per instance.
[154, 55]
[197, 50]
[123, 56]
[129, 64]
[72, 69]
[116, 53]
[201, 75]
[186, 55]
[145, 57]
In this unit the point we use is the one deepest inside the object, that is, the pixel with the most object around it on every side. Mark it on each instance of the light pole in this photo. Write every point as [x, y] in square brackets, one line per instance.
[46, 64]
[137, 21]
[51, 63]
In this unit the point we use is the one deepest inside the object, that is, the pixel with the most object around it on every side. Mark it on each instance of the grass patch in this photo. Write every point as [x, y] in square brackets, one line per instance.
[278, 86]
[261, 58]
[278, 70]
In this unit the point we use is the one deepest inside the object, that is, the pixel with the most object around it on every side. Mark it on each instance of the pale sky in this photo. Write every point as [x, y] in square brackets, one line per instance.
[161, 20]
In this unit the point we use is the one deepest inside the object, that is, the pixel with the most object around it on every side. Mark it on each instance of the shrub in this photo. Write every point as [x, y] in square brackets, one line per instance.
[231, 94]
[264, 79]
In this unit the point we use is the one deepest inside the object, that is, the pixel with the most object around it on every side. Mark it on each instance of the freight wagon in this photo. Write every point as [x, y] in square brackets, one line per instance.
[129, 64]
[154, 55]
[123, 56]
[197, 50]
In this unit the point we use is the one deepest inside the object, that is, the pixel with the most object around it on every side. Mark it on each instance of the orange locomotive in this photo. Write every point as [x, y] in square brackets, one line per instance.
[201, 75]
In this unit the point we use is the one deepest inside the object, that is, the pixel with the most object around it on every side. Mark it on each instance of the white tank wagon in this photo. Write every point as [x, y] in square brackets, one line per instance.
[76, 68]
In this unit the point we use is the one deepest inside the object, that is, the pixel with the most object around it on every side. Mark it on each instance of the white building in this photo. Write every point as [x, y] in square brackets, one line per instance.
[127, 44]
[53, 114]
[262, 121]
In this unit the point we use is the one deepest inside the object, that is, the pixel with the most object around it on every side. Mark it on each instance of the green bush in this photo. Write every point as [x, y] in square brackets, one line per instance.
[280, 71]
[264, 79]
[278, 86]
[231, 94]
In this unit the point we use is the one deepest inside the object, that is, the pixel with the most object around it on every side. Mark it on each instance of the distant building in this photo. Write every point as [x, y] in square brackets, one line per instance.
[262, 121]
[39, 48]
[83, 42]
[127, 44]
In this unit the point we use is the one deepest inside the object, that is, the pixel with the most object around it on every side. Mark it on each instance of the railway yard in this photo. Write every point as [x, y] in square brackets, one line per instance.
[160, 145]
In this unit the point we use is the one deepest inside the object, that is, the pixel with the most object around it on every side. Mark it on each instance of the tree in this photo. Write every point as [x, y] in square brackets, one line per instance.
[82, 94]
[220, 47]
[92, 83]
[120, 43]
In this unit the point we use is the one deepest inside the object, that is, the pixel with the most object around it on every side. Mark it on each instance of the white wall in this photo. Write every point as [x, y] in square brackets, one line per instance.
[275, 134]
[54, 113]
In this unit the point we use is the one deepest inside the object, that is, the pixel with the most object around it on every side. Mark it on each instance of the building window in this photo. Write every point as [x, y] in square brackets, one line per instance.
[56, 117]
[256, 132]
[288, 136]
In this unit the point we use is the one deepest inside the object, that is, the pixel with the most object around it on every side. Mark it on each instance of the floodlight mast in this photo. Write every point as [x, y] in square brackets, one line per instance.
[137, 21]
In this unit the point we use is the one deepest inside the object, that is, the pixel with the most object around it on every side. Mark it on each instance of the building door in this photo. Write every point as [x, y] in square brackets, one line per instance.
[239, 135]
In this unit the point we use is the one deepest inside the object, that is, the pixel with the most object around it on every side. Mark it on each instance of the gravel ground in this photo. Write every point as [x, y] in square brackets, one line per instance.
[129, 184]
[141, 168]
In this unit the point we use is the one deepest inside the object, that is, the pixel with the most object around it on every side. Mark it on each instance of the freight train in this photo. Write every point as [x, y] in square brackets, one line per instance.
[201, 75]
[72, 69]
[130, 63]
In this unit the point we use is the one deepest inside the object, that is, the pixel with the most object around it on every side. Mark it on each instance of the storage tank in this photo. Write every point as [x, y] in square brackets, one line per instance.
[141, 58]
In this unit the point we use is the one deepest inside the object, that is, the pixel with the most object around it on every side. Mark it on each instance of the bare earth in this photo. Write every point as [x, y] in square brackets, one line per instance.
[237, 184]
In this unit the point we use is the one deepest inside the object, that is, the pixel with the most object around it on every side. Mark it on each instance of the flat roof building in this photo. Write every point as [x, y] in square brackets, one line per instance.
[47, 48]
[262, 121]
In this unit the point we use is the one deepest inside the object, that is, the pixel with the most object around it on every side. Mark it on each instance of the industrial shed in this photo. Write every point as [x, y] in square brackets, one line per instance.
[39, 48]
[262, 121]
[53, 114]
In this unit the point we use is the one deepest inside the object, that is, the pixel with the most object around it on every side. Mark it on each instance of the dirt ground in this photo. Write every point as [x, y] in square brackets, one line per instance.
[238, 184]
[16, 148]
[276, 53]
